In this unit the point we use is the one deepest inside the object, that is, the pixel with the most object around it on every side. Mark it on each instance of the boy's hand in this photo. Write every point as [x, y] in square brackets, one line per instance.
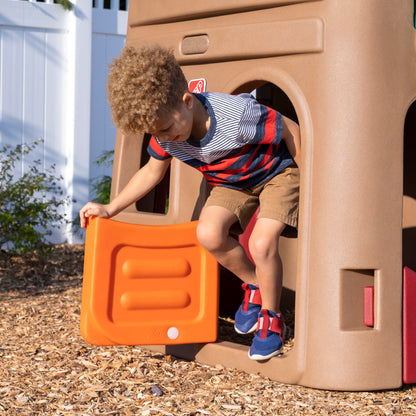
[92, 209]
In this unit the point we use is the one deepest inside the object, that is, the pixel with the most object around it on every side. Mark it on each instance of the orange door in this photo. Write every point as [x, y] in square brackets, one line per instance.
[146, 284]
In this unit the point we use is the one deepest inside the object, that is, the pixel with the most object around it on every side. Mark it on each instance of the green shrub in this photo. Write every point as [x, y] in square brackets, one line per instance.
[101, 186]
[66, 4]
[30, 205]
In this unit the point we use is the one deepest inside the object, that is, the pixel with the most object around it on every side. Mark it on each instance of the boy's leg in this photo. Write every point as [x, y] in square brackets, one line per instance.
[214, 234]
[279, 200]
[264, 248]
[278, 207]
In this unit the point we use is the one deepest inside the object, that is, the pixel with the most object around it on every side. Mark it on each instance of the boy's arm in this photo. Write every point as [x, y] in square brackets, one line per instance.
[143, 181]
[291, 136]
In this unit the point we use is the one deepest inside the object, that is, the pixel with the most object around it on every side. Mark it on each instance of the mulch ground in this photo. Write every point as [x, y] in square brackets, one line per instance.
[46, 368]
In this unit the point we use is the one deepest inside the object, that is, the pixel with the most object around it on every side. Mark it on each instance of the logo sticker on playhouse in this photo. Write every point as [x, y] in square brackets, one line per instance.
[197, 85]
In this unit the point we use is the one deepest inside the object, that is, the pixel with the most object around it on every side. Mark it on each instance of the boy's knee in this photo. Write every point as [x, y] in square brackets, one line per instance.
[261, 247]
[210, 238]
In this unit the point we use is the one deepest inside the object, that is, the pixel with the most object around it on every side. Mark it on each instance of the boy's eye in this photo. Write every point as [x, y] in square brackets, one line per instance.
[166, 129]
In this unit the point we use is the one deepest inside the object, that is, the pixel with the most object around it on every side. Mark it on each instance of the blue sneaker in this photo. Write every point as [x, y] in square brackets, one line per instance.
[247, 314]
[269, 337]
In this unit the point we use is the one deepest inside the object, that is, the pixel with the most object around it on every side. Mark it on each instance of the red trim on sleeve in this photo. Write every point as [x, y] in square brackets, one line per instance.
[155, 146]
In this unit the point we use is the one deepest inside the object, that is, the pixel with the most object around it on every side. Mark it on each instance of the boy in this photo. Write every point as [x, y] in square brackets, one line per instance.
[244, 149]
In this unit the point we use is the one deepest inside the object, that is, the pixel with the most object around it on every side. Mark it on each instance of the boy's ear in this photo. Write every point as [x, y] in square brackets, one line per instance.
[188, 99]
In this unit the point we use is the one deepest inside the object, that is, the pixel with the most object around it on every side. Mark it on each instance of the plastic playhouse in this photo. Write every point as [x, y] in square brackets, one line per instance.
[346, 71]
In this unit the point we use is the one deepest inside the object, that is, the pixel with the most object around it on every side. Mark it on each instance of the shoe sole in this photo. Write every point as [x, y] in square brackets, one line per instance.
[252, 329]
[258, 357]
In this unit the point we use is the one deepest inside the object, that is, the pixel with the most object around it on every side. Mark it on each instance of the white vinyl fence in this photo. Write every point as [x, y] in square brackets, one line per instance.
[53, 68]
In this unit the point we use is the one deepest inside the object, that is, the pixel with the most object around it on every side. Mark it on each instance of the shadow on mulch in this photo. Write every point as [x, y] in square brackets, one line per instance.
[26, 275]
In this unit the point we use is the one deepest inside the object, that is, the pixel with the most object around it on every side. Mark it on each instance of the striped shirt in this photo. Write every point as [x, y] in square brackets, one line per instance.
[242, 148]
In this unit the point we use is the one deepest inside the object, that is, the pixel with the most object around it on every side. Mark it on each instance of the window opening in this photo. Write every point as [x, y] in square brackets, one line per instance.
[157, 200]
[409, 189]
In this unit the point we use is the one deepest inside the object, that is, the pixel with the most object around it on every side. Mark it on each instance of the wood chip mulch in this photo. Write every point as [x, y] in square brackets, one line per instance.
[46, 368]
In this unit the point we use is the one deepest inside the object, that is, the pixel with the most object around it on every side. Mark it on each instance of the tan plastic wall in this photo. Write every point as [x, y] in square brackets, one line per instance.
[349, 69]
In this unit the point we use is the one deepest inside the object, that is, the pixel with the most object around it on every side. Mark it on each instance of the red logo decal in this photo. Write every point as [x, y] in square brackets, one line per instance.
[197, 85]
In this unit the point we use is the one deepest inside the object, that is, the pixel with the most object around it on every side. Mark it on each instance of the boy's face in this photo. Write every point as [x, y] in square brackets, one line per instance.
[175, 125]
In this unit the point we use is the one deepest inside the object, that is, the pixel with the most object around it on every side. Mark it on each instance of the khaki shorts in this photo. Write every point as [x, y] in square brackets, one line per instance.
[278, 199]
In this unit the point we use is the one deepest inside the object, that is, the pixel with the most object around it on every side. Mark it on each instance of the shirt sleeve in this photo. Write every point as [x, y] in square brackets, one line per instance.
[155, 150]
[260, 124]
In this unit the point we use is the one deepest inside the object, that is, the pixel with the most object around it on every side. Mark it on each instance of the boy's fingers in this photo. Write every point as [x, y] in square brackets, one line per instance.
[83, 215]
[90, 210]
[84, 212]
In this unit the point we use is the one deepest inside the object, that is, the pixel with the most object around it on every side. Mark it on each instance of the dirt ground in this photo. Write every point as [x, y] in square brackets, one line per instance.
[46, 368]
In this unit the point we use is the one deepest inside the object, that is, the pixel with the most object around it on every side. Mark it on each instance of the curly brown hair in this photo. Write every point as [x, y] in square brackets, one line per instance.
[142, 84]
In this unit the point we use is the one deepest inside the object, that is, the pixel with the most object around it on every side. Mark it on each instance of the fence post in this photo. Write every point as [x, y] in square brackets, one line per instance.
[79, 89]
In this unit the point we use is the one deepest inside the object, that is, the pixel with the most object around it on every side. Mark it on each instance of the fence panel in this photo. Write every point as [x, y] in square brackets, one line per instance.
[52, 62]
[33, 73]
